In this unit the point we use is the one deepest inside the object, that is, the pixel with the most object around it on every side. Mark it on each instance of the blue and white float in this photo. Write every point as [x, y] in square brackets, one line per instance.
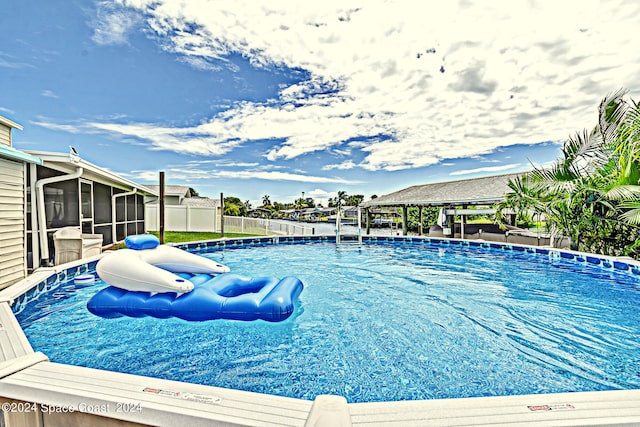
[149, 279]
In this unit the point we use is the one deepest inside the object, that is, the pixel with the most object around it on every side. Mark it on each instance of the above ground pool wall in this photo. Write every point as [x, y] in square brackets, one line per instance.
[29, 377]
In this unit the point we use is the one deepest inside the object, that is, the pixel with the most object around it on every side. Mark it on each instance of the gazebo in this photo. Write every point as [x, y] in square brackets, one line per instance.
[456, 196]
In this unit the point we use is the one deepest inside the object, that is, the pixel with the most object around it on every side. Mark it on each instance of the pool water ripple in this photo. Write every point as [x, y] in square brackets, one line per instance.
[380, 322]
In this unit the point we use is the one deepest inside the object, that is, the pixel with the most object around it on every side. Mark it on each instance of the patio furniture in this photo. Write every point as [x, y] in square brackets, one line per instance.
[71, 244]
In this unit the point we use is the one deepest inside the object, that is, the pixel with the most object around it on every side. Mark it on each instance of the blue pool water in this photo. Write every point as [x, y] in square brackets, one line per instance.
[381, 322]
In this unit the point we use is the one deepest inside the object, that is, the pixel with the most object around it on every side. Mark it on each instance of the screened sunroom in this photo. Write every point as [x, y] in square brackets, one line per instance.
[67, 191]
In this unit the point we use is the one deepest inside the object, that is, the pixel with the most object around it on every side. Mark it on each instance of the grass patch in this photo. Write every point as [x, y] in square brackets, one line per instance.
[480, 221]
[182, 237]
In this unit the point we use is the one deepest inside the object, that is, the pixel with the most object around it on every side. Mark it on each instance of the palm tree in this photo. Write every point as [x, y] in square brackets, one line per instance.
[592, 193]
[266, 200]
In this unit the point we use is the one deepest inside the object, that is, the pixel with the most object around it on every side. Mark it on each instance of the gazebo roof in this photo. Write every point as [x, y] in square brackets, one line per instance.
[473, 191]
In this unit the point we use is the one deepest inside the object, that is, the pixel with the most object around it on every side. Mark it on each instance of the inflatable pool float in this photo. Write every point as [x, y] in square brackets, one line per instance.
[225, 296]
[149, 279]
[150, 267]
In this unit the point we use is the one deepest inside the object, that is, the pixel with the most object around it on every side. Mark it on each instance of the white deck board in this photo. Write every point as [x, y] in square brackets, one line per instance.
[58, 384]
[619, 407]
[13, 342]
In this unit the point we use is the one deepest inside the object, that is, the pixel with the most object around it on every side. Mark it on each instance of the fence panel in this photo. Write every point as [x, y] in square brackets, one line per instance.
[176, 218]
[288, 228]
[205, 219]
[242, 225]
[182, 218]
[202, 219]
[151, 217]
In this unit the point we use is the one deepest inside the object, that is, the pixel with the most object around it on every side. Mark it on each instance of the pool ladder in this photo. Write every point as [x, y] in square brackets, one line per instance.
[348, 237]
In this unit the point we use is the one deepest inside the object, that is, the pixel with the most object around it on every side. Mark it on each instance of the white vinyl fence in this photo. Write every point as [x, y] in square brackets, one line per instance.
[182, 218]
[240, 224]
[207, 219]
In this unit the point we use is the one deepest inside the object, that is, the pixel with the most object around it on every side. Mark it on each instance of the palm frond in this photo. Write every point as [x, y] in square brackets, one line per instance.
[631, 216]
[612, 111]
[623, 192]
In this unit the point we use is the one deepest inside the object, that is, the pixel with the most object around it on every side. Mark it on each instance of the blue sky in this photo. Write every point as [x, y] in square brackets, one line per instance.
[278, 98]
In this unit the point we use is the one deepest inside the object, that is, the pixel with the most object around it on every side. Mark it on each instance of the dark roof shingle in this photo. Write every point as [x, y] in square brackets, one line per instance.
[485, 190]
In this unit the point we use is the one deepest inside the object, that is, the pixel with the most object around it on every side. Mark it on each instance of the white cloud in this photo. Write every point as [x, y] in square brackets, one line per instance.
[59, 127]
[349, 164]
[491, 169]
[113, 24]
[280, 176]
[413, 82]
[321, 197]
[223, 164]
[191, 173]
[176, 174]
[10, 63]
[49, 94]
[208, 140]
[6, 110]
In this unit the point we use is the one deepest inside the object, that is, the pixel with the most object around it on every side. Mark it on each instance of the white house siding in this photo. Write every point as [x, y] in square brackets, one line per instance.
[5, 135]
[12, 222]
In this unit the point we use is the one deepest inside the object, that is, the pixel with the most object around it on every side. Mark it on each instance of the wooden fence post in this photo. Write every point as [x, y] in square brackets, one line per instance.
[161, 207]
[221, 215]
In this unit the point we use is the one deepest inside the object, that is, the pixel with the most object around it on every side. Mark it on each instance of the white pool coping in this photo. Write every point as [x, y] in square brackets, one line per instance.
[64, 390]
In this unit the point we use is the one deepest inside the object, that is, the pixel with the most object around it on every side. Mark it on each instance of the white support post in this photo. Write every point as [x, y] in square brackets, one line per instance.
[35, 247]
[359, 225]
[338, 225]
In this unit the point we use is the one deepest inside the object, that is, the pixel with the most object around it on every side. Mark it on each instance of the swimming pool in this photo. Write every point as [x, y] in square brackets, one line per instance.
[380, 322]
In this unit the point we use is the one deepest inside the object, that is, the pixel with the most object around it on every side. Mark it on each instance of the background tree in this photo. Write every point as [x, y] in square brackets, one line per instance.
[354, 200]
[429, 217]
[342, 195]
[234, 206]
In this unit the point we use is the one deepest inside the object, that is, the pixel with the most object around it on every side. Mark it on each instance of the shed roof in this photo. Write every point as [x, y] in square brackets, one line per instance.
[473, 191]
[201, 202]
[171, 190]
